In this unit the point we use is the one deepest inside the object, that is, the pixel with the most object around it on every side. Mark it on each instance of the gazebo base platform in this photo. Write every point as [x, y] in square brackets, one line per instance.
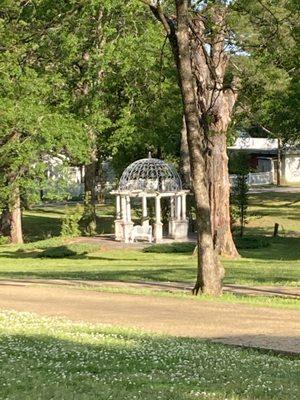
[178, 229]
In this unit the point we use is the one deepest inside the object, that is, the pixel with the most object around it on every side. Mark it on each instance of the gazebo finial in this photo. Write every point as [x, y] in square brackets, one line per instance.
[149, 154]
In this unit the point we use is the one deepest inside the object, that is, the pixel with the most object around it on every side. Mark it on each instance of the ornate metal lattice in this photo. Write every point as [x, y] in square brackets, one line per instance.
[150, 174]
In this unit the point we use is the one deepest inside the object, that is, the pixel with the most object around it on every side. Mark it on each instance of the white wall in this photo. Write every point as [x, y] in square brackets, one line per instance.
[291, 168]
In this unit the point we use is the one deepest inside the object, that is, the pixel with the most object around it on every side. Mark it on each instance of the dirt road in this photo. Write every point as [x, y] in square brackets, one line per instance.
[228, 323]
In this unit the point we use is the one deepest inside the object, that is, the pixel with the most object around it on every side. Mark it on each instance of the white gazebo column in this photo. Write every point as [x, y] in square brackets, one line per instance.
[128, 209]
[118, 220]
[180, 224]
[183, 206]
[158, 224]
[123, 209]
[145, 219]
[178, 208]
[118, 206]
[172, 215]
[127, 223]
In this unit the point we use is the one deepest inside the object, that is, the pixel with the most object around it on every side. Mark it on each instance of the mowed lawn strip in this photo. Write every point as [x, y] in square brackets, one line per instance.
[47, 358]
[257, 267]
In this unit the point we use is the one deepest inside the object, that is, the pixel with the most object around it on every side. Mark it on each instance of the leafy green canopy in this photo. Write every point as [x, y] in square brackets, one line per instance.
[269, 35]
[109, 56]
[35, 113]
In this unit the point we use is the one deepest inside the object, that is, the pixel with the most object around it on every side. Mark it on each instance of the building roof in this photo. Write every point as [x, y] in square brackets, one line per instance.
[255, 144]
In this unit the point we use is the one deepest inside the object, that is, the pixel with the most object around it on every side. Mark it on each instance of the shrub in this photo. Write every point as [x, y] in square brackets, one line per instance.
[252, 242]
[70, 250]
[88, 221]
[4, 240]
[70, 224]
[239, 201]
[184, 247]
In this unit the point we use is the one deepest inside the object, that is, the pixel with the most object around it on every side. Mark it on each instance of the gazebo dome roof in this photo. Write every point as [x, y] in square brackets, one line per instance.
[150, 175]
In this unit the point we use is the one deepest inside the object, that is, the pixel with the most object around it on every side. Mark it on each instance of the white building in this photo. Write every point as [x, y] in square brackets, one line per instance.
[264, 153]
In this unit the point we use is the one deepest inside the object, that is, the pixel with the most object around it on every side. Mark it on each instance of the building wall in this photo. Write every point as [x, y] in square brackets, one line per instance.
[291, 168]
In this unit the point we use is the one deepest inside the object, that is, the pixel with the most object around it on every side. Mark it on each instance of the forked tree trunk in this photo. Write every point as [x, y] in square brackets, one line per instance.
[215, 105]
[210, 271]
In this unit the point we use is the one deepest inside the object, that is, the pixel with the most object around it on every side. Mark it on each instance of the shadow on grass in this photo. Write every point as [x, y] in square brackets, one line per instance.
[258, 279]
[119, 275]
[281, 249]
[39, 227]
[49, 210]
[128, 365]
[259, 199]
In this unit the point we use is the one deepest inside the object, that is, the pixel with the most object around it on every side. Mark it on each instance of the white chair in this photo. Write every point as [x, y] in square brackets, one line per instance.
[141, 232]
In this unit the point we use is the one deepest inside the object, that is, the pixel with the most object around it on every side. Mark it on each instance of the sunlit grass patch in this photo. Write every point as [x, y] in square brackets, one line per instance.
[46, 358]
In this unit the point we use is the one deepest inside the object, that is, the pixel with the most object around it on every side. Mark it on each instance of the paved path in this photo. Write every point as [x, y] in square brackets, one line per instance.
[228, 323]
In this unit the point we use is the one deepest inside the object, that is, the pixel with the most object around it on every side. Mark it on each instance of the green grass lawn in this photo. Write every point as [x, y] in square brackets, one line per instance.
[267, 266]
[278, 264]
[267, 208]
[45, 358]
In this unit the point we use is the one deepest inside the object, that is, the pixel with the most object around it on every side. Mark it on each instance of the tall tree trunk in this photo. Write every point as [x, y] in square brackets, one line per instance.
[15, 213]
[90, 181]
[210, 271]
[184, 157]
[5, 222]
[219, 194]
[215, 104]
[279, 143]
[219, 191]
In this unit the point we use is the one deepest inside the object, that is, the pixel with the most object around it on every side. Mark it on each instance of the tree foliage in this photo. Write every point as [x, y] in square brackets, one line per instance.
[269, 37]
[35, 113]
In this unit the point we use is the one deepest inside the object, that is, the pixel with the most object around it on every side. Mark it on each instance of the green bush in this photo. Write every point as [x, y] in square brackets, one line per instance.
[69, 250]
[184, 247]
[70, 224]
[252, 242]
[88, 221]
[4, 240]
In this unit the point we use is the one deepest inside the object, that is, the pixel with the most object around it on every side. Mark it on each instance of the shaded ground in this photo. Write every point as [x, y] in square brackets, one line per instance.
[269, 291]
[231, 324]
[275, 189]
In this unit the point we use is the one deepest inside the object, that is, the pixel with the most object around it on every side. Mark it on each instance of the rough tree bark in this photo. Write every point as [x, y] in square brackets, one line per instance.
[184, 157]
[215, 104]
[15, 213]
[5, 222]
[11, 217]
[199, 98]
[90, 180]
[210, 271]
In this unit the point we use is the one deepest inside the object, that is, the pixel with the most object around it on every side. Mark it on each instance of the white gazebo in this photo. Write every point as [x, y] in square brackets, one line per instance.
[151, 178]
